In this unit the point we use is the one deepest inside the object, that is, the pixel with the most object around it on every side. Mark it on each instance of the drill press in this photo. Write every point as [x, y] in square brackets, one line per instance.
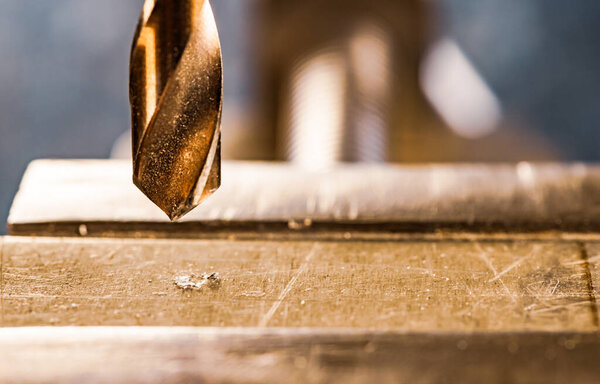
[313, 271]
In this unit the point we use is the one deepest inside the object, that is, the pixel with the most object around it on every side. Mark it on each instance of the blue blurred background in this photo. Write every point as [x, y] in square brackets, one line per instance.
[64, 72]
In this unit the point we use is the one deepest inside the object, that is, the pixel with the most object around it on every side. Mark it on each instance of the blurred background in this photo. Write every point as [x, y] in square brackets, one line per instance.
[387, 80]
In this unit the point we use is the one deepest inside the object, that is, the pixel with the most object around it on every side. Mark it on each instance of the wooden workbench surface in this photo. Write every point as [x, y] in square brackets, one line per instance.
[461, 309]
[407, 285]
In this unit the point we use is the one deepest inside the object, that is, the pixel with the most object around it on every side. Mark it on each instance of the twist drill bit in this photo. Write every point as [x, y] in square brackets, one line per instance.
[176, 88]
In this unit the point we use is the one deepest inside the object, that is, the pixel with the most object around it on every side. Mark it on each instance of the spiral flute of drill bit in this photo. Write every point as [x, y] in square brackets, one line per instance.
[176, 92]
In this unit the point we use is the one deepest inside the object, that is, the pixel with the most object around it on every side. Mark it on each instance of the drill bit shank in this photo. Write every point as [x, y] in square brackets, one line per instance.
[176, 92]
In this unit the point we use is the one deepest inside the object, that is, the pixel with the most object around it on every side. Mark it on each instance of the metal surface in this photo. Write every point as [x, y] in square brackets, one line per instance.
[444, 284]
[57, 196]
[340, 78]
[200, 355]
[176, 101]
[443, 311]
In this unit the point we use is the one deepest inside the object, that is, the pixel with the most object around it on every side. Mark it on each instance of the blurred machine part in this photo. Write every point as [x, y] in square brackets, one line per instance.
[369, 82]
[458, 93]
[341, 77]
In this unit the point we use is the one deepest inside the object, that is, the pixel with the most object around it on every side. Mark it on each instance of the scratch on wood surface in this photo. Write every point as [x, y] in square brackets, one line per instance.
[559, 307]
[80, 297]
[544, 292]
[590, 260]
[429, 270]
[269, 315]
[515, 264]
[555, 286]
[483, 255]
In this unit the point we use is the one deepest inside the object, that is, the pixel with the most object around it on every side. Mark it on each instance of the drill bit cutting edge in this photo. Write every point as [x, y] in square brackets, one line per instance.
[176, 93]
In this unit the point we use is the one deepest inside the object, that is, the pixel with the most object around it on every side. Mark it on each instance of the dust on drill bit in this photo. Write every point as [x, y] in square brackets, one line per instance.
[176, 129]
[189, 283]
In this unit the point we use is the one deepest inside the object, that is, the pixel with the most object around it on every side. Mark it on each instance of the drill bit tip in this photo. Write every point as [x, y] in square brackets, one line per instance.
[176, 88]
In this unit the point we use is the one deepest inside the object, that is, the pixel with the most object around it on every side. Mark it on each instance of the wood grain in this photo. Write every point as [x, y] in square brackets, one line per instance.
[380, 285]
[56, 197]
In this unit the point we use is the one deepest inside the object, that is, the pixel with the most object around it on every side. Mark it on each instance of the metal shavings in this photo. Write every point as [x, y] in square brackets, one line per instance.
[83, 230]
[187, 283]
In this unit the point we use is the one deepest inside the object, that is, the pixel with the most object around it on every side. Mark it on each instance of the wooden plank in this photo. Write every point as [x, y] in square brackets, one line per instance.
[439, 285]
[183, 355]
[57, 197]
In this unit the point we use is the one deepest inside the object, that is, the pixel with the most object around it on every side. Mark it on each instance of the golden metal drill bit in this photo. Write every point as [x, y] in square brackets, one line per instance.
[176, 89]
